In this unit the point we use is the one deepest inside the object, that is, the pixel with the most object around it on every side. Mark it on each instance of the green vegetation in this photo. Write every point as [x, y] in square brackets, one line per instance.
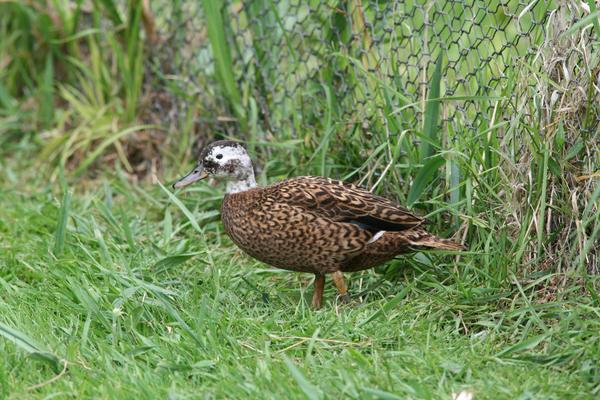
[140, 304]
[111, 287]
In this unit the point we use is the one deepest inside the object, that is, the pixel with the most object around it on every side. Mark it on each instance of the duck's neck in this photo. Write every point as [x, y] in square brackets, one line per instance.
[241, 185]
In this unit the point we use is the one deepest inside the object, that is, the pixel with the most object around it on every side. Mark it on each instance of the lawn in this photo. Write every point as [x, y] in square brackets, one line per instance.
[113, 293]
[112, 286]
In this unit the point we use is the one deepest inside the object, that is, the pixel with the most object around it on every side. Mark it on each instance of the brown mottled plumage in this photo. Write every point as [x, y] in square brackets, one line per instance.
[310, 224]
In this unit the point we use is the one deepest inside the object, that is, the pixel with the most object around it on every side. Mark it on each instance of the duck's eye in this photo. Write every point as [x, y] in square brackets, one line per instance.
[219, 156]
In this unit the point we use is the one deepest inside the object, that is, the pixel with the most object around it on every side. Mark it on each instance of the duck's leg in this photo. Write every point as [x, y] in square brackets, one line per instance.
[340, 284]
[318, 291]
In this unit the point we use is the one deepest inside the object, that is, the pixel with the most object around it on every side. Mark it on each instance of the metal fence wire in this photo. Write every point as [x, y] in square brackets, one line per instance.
[292, 58]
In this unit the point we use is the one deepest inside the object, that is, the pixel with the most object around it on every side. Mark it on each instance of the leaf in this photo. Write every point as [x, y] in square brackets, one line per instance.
[432, 111]
[387, 306]
[170, 309]
[523, 345]
[310, 390]
[183, 208]
[554, 167]
[222, 57]
[593, 293]
[425, 175]
[112, 11]
[592, 5]
[6, 100]
[592, 18]
[559, 136]
[46, 94]
[126, 227]
[171, 261]
[381, 394]
[61, 228]
[575, 149]
[28, 345]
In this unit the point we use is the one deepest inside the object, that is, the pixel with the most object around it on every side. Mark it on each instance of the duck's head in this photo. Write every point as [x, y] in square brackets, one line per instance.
[225, 160]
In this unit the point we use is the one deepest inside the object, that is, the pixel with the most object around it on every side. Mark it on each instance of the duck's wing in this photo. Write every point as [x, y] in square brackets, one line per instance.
[344, 202]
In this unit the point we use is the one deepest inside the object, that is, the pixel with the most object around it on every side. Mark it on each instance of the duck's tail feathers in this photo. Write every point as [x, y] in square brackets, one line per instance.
[434, 242]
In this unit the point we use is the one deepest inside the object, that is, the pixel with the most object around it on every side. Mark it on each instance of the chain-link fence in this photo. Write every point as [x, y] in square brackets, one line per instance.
[291, 55]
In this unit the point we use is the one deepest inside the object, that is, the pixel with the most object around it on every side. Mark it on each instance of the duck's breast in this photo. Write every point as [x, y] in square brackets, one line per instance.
[287, 236]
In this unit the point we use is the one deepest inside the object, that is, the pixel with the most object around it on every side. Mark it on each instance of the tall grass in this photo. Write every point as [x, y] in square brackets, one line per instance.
[78, 71]
[332, 112]
[217, 34]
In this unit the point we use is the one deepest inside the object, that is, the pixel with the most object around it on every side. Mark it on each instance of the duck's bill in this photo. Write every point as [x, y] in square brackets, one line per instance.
[196, 175]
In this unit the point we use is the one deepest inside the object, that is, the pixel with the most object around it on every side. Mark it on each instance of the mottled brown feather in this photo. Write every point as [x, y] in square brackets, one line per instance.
[344, 202]
[320, 225]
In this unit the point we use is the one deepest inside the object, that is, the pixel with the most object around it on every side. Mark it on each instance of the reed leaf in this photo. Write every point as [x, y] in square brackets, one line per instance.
[432, 112]
[222, 56]
[424, 176]
[61, 229]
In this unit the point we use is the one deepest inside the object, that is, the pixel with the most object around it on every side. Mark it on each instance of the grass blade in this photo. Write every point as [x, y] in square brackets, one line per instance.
[61, 229]
[310, 390]
[524, 345]
[28, 345]
[167, 263]
[183, 208]
[542, 202]
[592, 18]
[175, 315]
[46, 94]
[222, 56]
[432, 111]
[592, 5]
[112, 11]
[424, 176]
[381, 394]
[388, 306]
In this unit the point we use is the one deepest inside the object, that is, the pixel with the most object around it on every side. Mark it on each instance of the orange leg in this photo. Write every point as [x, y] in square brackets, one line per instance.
[318, 291]
[340, 284]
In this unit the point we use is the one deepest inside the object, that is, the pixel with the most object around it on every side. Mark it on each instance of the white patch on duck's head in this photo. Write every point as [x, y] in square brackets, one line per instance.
[230, 161]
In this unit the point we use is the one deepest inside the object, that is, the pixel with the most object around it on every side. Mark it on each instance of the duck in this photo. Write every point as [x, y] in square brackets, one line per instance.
[310, 224]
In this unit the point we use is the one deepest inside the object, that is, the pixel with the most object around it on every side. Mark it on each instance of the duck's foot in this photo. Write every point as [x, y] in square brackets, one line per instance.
[344, 298]
[340, 284]
[317, 299]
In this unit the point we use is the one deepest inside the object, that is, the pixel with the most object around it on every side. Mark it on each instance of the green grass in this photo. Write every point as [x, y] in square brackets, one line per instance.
[132, 301]
[112, 287]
